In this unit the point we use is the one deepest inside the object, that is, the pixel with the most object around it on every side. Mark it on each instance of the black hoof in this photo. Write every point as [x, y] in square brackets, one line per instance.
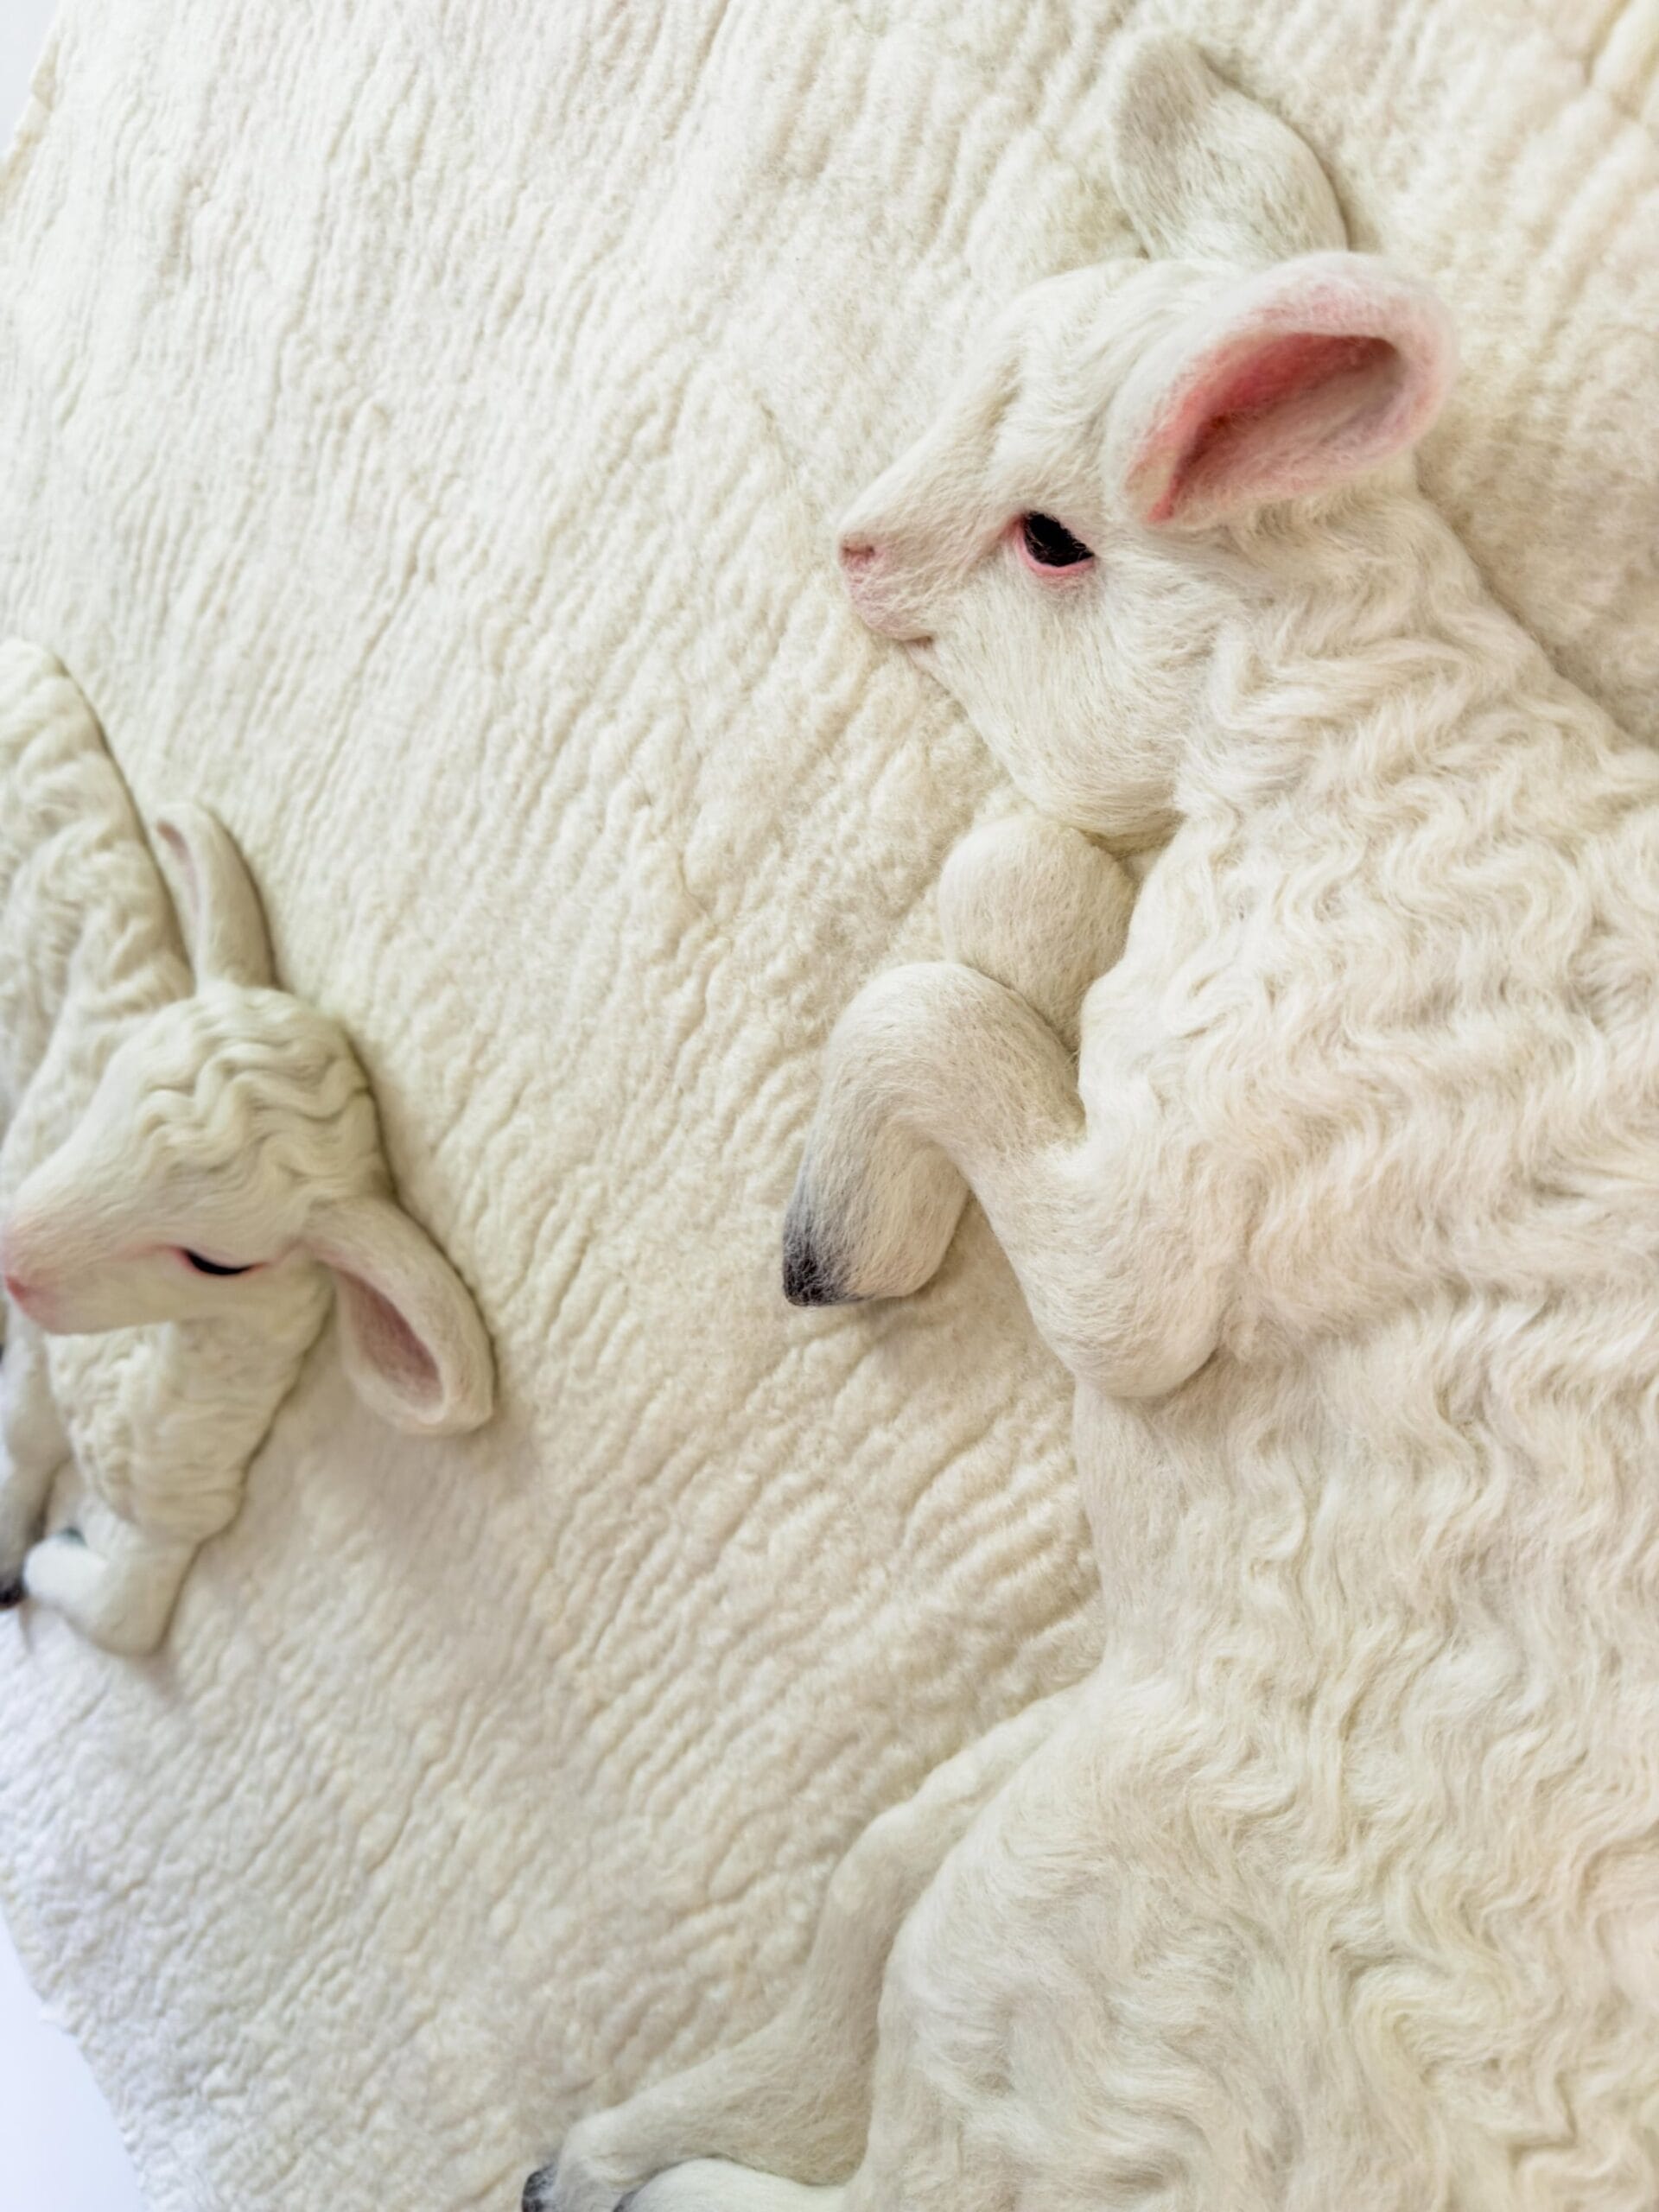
[814, 1273]
[810, 1277]
[534, 2198]
[12, 1593]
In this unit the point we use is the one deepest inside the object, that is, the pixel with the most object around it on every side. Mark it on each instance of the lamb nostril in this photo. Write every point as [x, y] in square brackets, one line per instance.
[856, 555]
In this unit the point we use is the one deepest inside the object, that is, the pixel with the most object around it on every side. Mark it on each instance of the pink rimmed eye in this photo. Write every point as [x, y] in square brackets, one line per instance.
[206, 1267]
[1049, 547]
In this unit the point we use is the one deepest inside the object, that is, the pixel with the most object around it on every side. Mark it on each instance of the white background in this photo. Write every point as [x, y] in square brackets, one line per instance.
[58, 2148]
[22, 29]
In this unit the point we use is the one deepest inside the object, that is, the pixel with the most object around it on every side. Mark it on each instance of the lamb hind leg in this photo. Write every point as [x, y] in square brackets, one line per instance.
[796, 2093]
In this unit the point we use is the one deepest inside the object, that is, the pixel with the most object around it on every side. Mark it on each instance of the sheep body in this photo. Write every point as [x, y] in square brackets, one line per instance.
[187, 1158]
[1337, 1885]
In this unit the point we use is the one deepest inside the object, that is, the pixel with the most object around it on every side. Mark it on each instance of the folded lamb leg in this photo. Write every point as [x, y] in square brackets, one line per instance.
[1040, 907]
[796, 2093]
[32, 1449]
[936, 1078]
[717, 2186]
[116, 1583]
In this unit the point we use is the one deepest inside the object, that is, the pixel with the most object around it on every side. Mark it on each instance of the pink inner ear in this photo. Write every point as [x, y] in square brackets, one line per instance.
[389, 1344]
[1260, 412]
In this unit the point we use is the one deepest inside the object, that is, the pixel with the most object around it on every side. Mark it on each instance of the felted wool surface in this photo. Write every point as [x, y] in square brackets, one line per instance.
[422, 427]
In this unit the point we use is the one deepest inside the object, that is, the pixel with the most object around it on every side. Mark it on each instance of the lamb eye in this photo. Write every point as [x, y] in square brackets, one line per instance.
[211, 1266]
[1050, 545]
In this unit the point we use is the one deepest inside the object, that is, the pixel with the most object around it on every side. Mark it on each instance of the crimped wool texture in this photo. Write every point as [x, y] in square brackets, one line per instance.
[420, 435]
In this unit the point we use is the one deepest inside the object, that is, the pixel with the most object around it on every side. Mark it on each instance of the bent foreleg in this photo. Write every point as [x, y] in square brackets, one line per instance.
[936, 1078]
[939, 1080]
[1040, 907]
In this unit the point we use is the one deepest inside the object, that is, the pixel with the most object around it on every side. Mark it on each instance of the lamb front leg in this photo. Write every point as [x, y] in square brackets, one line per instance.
[32, 1447]
[937, 1079]
[1039, 907]
[116, 1583]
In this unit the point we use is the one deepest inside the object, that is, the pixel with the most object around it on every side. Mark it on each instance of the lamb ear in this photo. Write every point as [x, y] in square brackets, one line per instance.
[409, 1334]
[1206, 174]
[1291, 382]
[219, 909]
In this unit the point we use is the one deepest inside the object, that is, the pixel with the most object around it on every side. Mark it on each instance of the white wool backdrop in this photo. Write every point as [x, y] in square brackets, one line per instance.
[422, 431]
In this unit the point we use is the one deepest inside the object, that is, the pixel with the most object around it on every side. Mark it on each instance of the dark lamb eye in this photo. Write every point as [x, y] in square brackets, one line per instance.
[211, 1266]
[1051, 545]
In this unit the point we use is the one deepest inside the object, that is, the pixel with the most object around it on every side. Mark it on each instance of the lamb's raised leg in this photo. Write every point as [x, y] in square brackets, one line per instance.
[715, 2185]
[116, 1583]
[32, 1447]
[796, 2093]
[1040, 907]
[937, 1078]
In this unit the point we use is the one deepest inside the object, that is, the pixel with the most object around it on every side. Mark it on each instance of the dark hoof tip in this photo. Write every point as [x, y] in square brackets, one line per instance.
[12, 1593]
[534, 2198]
[809, 1278]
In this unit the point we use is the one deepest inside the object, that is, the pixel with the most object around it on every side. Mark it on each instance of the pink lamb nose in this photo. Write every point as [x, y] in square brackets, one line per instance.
[17, 1289]
[857, 555]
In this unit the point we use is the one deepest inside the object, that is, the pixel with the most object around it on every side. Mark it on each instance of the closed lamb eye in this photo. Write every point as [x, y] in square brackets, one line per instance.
[1049, 544]
[203, 1267]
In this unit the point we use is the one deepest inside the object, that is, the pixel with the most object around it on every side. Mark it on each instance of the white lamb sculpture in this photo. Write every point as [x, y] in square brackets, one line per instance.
[187, 1166]
[1336, 1888]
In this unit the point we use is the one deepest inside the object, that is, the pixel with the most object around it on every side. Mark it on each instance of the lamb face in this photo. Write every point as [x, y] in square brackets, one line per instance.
[232, 1141]
[186, 1189]
[1088, 525]
[994, 551]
